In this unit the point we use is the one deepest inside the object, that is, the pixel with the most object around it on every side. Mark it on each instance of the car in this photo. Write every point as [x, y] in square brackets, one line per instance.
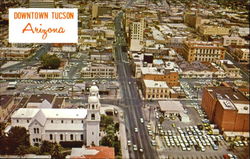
[150, 132]
[136, 130]
[141, 149]
[141, 119]
[203, 149]
[135, 147]
[129, 143]
[153, 142]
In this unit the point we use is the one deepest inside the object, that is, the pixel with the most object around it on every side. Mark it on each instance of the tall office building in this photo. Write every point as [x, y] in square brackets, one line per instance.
[136, 35]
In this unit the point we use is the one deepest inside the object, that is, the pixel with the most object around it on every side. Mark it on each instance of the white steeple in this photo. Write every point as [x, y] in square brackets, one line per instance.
[93, 117]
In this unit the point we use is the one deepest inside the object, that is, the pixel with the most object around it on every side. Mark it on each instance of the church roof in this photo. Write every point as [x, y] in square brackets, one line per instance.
[51, 113]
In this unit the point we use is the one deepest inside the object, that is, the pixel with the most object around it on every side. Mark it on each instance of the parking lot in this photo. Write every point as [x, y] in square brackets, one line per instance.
[192, 140]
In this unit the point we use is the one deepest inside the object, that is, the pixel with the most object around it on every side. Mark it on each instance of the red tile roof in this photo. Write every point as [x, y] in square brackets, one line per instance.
[104, 153]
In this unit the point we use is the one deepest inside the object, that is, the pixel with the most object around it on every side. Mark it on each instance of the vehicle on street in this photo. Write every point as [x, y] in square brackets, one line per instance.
[129, 143]
[141, 119]
[135, 147]
[136, 130]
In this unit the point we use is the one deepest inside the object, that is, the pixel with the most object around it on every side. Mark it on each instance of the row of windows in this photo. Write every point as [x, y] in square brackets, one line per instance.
[157, 96]
[36, 140]
[157, 91]
[62, 137]
[62, 121]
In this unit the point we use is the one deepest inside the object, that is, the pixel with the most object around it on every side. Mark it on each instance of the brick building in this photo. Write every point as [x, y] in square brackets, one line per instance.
[153, 73]
[203, 51]
[227, 107]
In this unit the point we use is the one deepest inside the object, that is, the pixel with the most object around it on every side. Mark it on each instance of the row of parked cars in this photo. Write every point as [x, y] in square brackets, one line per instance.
[189, 137]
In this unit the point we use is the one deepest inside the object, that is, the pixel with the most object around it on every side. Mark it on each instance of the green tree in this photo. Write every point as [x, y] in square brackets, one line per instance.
[17, 136]
[21, 150]
[33, 150]
[3, 140]
[50, 61]
[56, 152]
[106, 120]
[46, 147]
[117, 127]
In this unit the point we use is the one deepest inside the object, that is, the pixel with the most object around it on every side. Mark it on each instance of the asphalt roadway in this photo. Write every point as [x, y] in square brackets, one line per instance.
[131, 101]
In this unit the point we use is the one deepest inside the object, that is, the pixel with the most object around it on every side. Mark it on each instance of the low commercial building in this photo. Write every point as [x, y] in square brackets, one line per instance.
[50, 73]
[230, 69]
[203, 51]
[227, 107]
[155, 89]
[241, 55]
[99, 71]
[233, 41]
[171, 108]
[213, 30]
[170, 76]
[12, 74]
[198, 69]
[14, 53]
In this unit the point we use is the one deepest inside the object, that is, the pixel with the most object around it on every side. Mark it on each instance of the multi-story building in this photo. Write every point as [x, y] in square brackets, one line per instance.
[192, 20]
[100, 10]
[229, 68]
[227, 107]
[41, 3]
[233, 41]
[213, 30]
[241, 55]
[203, 51]
[170, 76]
[62, 125]
[13, 53]
[136, 35]
[99, 71]
[155, 89]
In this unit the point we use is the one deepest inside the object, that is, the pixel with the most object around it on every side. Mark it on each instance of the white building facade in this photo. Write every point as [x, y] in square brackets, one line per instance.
[59, 125]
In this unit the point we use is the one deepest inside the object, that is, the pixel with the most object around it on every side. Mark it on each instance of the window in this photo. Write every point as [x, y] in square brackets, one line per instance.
[72, 121]
[17, 121]
[61, 136]
[61, 121]
[71, 137]
[37, 130]
[51, 137]
[34, 130]
[82, 121]
[51, 121]
[93, 106]
[81, 136]
[92, 133]
[92, 116]
[27, 121]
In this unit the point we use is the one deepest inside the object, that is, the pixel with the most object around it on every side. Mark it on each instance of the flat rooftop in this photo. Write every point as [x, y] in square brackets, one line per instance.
[222, 92]
[171, 106]
[155, 84]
